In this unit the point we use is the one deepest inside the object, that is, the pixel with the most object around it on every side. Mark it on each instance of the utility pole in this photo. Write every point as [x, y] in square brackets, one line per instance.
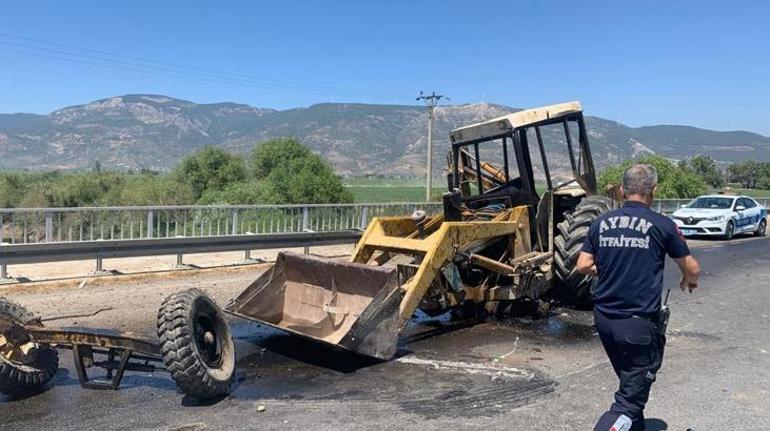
[431, 101]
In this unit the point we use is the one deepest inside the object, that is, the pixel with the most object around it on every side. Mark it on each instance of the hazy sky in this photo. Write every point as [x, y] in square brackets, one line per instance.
[700, 63]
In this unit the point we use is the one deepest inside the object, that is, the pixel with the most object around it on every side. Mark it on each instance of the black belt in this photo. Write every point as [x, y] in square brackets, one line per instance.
[653, 317]
[620, 315]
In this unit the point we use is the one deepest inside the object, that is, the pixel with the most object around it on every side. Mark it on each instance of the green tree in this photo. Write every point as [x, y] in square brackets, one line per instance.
[309, 180]
[289, 173]
[276, 153]
[247, 193]
[37, 194]
[706, 168]
[281, 171]
[11, 189]
[748, 173]
[210, 169]
[764, 176]
[154, 190]
[673, 181]
[86, 189]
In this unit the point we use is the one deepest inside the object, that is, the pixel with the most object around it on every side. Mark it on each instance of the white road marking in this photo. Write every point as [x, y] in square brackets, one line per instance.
[467, 367]
[515, 344]
[584, 369]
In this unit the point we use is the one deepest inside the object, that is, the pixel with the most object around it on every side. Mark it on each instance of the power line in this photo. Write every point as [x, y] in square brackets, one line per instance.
[160, 63]
[139, 67]
[127, 68]
[105, 59]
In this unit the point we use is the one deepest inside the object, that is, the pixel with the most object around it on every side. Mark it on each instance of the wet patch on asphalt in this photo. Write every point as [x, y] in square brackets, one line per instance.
[435, 374]
[426, 389]
[563, 326]
[443, 369]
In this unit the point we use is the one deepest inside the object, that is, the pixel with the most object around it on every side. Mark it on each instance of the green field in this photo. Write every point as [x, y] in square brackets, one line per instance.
[367, 189]
[754, 193]
[392, 194]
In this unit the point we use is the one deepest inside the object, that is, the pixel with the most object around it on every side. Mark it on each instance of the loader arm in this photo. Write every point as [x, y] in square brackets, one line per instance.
[436, 249]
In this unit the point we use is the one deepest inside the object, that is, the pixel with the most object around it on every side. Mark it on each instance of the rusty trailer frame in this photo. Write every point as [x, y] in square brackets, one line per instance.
[122, 351]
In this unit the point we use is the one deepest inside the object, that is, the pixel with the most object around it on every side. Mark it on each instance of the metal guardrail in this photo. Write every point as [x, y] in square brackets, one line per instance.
[63, 251]
[101, 249]
[33, 235]
[46, 225]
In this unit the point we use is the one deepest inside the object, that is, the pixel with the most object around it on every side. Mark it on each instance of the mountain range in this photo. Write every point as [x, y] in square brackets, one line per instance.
[155, 132]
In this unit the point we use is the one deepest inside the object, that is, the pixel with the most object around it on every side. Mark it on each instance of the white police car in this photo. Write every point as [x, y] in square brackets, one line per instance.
[721, 215]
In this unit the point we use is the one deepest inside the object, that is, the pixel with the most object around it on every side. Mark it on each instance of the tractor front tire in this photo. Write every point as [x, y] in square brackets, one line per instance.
[196, 344]
[24, 372]
[573, 288]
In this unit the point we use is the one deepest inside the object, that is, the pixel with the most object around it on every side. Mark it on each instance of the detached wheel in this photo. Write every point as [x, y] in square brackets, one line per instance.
[573, 288]
[761, 228]
[196, 344]
[26, 368]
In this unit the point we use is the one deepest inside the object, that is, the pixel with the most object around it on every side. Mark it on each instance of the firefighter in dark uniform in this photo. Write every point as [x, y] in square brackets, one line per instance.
[626, 249]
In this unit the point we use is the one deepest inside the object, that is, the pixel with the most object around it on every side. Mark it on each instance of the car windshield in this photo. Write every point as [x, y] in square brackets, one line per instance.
[711, 203]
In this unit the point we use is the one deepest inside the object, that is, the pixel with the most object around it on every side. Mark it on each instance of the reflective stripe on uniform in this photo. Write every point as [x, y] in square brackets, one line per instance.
[623, 423]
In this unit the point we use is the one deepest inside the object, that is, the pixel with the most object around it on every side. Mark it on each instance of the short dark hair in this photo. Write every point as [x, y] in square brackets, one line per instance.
[640, 179]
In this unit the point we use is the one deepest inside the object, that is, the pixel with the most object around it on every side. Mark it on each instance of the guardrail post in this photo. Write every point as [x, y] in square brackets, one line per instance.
[4, 278]
[180, 262]
[305, 225]
[248, 259]
[364, 218]
[48, 226]
[150, 223]
[235, 221]
[99, 267]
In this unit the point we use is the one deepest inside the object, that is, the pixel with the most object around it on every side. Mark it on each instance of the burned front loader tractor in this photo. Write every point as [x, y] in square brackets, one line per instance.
[505, 234]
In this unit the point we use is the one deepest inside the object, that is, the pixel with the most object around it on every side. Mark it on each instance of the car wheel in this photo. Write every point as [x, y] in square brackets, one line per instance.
[761, 228]
[729, 231]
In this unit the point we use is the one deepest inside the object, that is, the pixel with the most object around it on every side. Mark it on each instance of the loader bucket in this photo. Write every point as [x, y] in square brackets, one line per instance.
[350, 305]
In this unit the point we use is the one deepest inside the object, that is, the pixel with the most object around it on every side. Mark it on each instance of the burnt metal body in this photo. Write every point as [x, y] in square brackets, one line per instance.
[474, 183]
[350, 305]
[113, 351]
[516, 138]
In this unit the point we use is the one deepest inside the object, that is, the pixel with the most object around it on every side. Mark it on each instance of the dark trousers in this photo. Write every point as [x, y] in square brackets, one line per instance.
[635, 349]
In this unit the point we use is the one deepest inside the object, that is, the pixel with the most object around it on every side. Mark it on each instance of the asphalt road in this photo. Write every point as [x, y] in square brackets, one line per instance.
[520, 374]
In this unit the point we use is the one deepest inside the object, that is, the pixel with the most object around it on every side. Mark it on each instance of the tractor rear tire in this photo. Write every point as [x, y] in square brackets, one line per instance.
[196, 345]
[573, 288]
[35, 371]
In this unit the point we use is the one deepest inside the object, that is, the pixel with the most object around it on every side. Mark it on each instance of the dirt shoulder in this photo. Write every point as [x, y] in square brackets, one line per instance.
[136, 265]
